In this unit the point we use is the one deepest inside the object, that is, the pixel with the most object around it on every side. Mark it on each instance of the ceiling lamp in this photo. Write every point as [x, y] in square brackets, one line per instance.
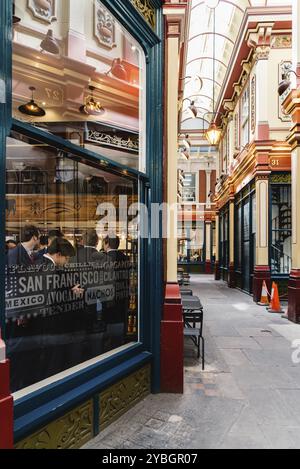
[31, 108]
[49, 43]
[16, 19]
[214, 133]
[92, 107]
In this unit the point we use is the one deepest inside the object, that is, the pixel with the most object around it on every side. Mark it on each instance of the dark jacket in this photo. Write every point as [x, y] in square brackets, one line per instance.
[19, 256]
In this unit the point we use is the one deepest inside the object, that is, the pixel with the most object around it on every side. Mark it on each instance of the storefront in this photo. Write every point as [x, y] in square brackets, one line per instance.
[245, 237]
[79, 321]
[281, 229]
[224, 243]
[196, 246]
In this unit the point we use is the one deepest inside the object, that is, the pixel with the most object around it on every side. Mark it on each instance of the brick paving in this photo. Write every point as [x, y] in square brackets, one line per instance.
[248, 397]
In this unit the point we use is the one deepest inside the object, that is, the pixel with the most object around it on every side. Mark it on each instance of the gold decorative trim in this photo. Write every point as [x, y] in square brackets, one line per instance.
[72, 431]
[281, 178]
[147, 10]
[117, 400]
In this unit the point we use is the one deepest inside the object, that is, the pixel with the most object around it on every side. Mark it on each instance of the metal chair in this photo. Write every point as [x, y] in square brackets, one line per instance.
[195, 333]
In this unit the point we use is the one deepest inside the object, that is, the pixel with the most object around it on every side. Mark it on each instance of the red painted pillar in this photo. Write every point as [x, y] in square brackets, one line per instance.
[172, 342]
[6, 408]
[6, 402]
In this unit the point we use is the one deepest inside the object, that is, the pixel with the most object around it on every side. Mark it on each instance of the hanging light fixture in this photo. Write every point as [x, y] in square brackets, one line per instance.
[16, 19]
[32, 108]
[214, 133]
[92, 107]
[49, 43]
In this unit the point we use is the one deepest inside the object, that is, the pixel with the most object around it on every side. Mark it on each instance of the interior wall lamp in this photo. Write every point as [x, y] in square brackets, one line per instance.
[286, 82]
[16, 19]
[49, 43]
[118, 70]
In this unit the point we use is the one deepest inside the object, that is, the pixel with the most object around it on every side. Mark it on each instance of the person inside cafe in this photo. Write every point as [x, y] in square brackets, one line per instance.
[23, 254]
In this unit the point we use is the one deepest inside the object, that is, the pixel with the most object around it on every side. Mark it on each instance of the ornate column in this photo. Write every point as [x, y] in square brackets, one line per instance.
[261, 42]
[208, 237]
[217, 263]
[231, 276]
[172, 366]
[262, 271]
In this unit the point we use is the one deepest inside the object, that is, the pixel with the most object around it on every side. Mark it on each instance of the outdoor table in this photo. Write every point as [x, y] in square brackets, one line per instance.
[191, 303]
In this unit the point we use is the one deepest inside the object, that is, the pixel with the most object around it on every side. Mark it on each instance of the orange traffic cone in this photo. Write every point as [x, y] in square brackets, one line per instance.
[275, 306]
[264, 295]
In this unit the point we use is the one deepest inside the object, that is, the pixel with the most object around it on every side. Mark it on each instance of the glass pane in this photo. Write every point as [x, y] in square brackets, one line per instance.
[189, 188]
[88, 76]
[72, 281]
[238, 243]
[281, 249]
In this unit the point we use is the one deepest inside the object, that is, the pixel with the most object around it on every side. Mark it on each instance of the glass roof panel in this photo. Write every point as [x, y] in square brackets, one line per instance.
[200, 53]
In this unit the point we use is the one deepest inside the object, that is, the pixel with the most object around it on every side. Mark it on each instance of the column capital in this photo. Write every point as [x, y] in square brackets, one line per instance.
[231, 190]
[175, 15]
[260, 40]
[262, 166]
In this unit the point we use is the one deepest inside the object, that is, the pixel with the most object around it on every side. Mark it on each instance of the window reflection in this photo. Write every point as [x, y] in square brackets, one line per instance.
[72, 274]
[88, 76]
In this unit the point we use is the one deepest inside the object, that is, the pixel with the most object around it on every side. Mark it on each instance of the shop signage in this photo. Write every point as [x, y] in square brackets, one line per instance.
[43, 291]
[282, 163]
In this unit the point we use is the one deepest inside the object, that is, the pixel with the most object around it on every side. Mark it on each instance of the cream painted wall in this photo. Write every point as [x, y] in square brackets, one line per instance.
[276, 57]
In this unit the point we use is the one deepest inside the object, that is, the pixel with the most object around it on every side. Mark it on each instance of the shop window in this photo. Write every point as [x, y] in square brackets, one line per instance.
[238, 238]
[245, 118]
[281, 245]
[72, 281]
[189, 188]
[191, 243]
[86, 75]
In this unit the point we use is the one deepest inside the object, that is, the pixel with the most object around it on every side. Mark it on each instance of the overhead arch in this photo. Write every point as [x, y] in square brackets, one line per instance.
[210, 33]
[206, 58]
[223, 1]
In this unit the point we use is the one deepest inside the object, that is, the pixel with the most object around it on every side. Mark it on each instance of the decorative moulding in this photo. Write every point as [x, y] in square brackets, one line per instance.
[105, 29]
[44, 10]
[147, 10]
[283, 41]
[284, 67]
[253, 104]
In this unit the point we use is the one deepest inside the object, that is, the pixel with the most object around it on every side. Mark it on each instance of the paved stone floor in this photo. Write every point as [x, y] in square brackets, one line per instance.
[248, 397]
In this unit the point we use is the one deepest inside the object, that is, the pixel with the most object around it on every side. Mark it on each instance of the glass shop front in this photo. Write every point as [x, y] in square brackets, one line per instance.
[75, 163]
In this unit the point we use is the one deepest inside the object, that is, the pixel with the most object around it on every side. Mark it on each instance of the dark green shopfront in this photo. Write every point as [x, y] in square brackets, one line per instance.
[80, 107]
